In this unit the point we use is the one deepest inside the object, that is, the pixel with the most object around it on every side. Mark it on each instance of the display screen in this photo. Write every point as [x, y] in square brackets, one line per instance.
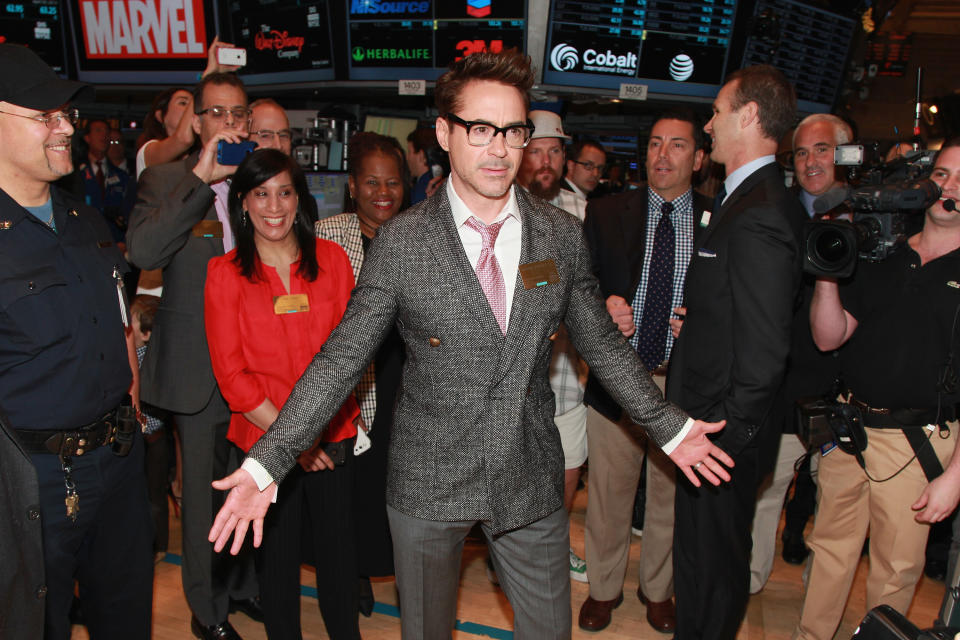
[37, 24]
[672, 47]
[417, 39]
[141, 41]
[809, 45]
[286, 40]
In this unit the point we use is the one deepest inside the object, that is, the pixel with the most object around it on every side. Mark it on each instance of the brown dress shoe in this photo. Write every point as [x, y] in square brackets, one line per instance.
[595, 614]
[662, 616]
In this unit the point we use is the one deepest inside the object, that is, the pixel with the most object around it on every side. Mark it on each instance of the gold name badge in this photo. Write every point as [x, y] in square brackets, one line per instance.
[539, 274]
[292, 303]
[208, 229]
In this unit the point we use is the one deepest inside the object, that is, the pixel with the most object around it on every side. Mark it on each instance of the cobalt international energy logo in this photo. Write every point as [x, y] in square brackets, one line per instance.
[566, 57]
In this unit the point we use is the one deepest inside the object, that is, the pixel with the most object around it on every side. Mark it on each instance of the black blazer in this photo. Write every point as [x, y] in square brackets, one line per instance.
[616, 233]
[741, 285]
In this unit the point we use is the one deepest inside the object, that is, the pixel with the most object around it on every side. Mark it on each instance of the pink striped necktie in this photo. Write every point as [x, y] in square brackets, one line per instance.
[488, 270]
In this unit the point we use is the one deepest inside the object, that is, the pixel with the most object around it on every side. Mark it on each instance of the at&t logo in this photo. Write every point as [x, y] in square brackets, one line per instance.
[564, 57]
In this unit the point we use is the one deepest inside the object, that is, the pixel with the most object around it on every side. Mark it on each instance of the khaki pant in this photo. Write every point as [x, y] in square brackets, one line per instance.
[617, 450]
[848, 505]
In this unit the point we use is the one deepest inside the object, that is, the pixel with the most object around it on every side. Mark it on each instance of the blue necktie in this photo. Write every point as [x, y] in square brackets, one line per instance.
[654, 324]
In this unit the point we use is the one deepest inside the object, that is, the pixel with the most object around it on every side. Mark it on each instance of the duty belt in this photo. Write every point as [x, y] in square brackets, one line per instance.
[68, 443]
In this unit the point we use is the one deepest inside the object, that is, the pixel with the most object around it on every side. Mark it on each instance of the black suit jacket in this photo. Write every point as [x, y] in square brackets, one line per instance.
[729, 360]
[616, 233]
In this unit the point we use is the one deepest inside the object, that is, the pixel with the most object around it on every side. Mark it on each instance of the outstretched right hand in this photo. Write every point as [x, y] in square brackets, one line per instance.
[697, 453]
[245, 504]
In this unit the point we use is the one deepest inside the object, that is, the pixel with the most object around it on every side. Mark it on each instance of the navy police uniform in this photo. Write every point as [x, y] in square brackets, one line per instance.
[64, 370]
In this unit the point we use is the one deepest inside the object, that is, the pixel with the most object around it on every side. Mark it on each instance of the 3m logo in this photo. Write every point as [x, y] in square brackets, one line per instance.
[143, 28]
[469, 47]
[478, 8]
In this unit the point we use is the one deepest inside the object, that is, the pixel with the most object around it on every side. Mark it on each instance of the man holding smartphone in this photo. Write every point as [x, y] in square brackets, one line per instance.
[180, 221]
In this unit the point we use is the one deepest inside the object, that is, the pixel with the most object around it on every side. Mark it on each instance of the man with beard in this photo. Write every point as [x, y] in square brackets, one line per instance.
[540, 174]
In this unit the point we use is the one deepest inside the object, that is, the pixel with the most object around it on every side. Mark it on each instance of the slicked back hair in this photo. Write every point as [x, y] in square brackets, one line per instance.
[772, 92]
[510, 67]
[218, 79]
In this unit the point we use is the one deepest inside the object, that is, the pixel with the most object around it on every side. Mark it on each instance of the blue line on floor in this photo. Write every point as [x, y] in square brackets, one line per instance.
[390, 610]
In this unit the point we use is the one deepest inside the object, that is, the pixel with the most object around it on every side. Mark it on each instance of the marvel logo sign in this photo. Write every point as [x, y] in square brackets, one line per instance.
[143, 28]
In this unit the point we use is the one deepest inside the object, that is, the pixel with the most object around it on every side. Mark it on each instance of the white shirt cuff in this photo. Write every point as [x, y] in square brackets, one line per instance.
[667, 448]
[259, 475]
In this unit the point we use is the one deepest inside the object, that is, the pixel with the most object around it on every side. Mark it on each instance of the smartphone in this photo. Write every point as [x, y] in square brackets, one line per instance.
[232, 55]
[229, 153]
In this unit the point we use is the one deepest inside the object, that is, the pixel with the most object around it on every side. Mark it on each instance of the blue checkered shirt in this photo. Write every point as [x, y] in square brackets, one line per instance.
[682, 219]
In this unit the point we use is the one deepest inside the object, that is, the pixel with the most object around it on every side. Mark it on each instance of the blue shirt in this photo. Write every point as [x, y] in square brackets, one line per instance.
[63, 357]
[419, 191]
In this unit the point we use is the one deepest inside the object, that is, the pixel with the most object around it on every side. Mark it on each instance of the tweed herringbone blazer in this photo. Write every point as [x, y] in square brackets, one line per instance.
[473, 434]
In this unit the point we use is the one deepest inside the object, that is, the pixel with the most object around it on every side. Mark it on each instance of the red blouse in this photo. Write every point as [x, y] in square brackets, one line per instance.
[259, 354]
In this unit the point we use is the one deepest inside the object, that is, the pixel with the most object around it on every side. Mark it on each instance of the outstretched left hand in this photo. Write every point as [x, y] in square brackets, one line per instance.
[696, 453]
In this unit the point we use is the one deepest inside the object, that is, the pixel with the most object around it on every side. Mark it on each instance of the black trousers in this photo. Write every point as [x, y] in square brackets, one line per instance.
[711, 553]
[107, 550]
[325, 498]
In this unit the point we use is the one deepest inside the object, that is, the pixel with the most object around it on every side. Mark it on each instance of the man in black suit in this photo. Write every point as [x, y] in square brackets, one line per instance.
[730, 356]
[624, 232]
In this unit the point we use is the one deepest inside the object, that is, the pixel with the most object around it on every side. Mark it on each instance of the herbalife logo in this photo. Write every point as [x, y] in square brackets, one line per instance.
[369, 54]
[359, 54]
[564, 57]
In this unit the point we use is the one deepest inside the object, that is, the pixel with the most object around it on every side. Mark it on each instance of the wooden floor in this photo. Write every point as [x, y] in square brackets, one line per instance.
[483, 611]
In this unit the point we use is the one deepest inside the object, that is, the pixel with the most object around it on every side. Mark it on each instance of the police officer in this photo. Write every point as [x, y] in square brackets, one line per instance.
[898, 318]
[65, 366]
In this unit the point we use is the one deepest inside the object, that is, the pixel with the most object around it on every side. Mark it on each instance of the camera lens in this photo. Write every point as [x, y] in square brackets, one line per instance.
[828, 248]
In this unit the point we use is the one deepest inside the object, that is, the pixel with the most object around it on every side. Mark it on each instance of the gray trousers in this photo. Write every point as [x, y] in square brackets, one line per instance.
[532, 565]
[209, 579]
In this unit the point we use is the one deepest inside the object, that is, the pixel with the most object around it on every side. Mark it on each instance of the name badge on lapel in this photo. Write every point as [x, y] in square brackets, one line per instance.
[208, 229]
[291, 303]
[539, 274]
[705, 219]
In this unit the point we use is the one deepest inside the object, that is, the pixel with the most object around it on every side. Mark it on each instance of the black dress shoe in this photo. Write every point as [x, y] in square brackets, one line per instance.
[794, 550]
[222, 631]
[249, 606]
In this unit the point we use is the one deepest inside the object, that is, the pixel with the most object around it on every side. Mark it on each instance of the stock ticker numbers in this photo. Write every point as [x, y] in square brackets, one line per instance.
[665, 40]
[808, 44]
[424, 36]
[37, 24]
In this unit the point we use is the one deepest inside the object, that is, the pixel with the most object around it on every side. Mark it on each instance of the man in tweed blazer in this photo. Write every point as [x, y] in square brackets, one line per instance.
[474, 437]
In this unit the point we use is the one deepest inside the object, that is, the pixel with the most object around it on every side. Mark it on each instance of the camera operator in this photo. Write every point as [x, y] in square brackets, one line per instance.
[809, 371]
[899, 316]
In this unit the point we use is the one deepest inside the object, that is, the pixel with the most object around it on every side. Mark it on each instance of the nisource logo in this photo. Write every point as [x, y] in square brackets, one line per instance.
[564, 57]
[387, 7]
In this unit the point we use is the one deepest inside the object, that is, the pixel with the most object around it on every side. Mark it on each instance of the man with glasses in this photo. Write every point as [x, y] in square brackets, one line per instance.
[269, 125]
[64, 372]
[586, 162]
[180, 221]
[477, 279]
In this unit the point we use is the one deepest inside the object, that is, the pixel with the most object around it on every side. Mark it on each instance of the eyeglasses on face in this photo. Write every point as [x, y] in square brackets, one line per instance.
[52, 120]
[480, 133]
[267, 135]
[217, 112]
[590, 166]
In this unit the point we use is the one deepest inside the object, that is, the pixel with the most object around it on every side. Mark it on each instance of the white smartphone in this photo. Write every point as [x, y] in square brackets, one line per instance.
[232, 55]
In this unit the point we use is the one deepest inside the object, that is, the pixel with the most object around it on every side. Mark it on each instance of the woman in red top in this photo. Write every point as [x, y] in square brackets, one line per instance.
[270, 304]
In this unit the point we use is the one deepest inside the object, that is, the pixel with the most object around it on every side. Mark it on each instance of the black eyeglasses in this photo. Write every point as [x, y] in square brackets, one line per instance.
[480, 133]
[216, 112]
[52, 120]
[590, 166]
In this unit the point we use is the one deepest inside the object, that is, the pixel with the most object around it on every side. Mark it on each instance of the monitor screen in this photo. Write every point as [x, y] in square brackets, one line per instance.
[37, 24]
[808, 44]
[329, 189]
[141, 41]
[398, 128]
[286, 40]
[677, 48]
[390, 40]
